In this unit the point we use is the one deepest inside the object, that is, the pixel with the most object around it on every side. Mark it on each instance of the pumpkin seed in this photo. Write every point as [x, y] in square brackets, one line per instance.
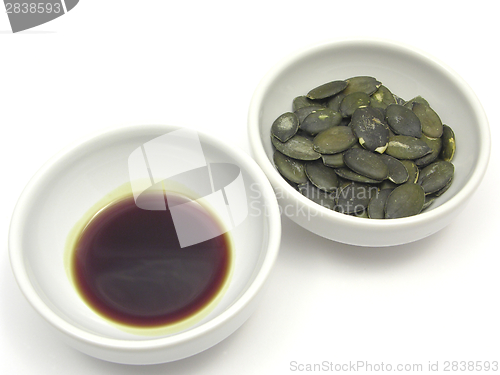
[353, 101]
[448, 149]
[350, 175]
[334, 102]
[444, 189]
[406, 200]
[343, 183]
[412, 170]
[435, 145]
[319, 121]
[368, 138]
[321, 176]
[431, 123]
[303, 101]
[326, 90]
[417, 99]
[397, 171]
[403, 121]
[285, 126]
[303, 112]
[334, 140]
[436, 176]
[365, 84]
[362, 214]
[429, 199]
[355, 197]
[297, 147]
[318, 196]
[366, 163]
[293, 170]
[387, 184]
[334, 160]
[399, 100]
[382, 98]
[406, 147]
[376, 207]
[372, 132]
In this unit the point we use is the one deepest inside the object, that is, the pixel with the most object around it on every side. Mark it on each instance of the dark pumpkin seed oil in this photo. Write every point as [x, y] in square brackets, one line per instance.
[128, 265]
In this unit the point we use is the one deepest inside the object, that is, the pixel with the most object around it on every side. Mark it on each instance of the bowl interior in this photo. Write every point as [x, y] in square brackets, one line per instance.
[407, 73]
[71, 184]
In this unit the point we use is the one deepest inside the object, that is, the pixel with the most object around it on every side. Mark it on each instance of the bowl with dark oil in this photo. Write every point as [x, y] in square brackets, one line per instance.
[369, 142]
[145, 244]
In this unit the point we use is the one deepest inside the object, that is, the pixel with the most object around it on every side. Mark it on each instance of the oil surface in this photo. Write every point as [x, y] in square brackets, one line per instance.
[129, 267]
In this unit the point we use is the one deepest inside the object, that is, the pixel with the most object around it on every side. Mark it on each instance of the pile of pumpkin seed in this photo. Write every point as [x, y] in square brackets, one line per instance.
[354, 147]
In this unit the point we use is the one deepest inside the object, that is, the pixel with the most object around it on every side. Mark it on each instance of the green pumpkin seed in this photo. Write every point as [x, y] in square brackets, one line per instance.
[405, 147]
[357, 145]
[321, 176]
[372, 132]
[406, 200]
[334, 160]
[354, 125]
[334, 140]
[362, 214]
[293, 170]
[327, 200]
[326, 90]
[403, 121]
[285, 126]
[355, 197]
[303, 101]
[319, 121]
[397, 171]
[303, 112]
[429, 199]
[367, 85]
[436, 176]
[343, 183]
[431, 123]
[435, 145]
[382, 98]
[352, 102]
[376, 207]
[417, 99]
[297, 147]
[349, 174]
[412, 170]
[334, 102]
[399, 100]
[387, 184]
[448, 150]
[444, 189]
[366, 163]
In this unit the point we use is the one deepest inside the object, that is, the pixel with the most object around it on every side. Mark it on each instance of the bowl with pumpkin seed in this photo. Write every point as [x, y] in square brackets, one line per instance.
[368, 142]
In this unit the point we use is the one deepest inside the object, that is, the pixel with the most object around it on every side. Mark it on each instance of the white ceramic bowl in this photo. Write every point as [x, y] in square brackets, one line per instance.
[407, 72]
[73, 181]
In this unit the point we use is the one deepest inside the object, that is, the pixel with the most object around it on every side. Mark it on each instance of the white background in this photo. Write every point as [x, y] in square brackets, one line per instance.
[114, 62]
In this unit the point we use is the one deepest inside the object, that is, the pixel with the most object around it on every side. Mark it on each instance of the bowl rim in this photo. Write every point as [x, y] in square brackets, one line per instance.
[438, 213]
[18, 266]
